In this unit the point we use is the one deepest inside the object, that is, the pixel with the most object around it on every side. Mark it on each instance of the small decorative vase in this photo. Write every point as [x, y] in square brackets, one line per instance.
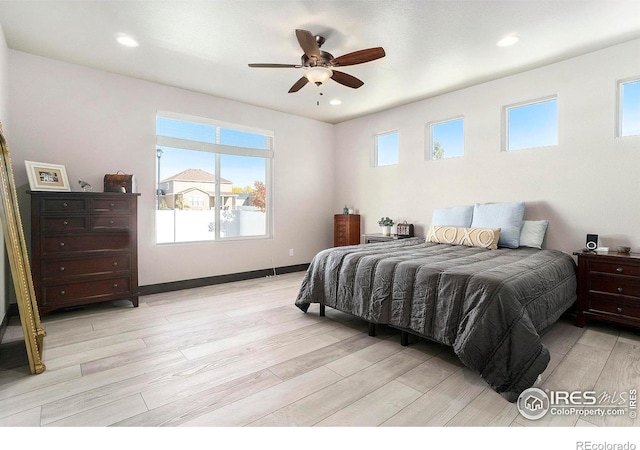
[386, 231]
[345, 210]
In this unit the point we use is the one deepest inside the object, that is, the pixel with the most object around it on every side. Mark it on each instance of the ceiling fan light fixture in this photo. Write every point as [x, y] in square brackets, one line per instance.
[318, 75]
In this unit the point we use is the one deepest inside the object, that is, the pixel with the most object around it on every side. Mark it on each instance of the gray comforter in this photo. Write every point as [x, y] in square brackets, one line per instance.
[489, 305]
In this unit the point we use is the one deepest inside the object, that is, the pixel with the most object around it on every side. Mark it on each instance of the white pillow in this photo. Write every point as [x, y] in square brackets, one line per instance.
[471, 237]
[456, 216]
[506, 216]
[532, 233]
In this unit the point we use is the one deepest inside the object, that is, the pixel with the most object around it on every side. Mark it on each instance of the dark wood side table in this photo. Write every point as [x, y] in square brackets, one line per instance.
[377, 237]
[608, 288]
[346, 229]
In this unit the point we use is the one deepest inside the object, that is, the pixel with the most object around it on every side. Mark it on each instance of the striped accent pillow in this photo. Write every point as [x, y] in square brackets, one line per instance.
[471, 237]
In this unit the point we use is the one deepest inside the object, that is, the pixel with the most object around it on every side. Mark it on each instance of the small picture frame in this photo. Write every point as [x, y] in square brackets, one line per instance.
[47, 177]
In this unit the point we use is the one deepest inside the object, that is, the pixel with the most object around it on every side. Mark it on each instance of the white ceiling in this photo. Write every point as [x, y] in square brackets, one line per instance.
[431, 47]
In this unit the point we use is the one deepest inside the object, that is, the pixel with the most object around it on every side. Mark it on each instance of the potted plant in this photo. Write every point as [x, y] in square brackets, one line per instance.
[386, 224]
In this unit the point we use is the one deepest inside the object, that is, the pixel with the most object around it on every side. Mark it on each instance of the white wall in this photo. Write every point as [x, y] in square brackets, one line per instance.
[4, 120]
[95, 122]
[587, 184]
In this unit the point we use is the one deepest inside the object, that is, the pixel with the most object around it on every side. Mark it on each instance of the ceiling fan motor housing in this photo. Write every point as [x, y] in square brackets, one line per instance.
[323, 61]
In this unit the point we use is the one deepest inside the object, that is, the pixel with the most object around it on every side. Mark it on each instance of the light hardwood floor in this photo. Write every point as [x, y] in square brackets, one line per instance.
[241, 354]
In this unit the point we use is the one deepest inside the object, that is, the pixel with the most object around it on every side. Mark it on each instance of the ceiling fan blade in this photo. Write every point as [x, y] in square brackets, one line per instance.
[308, 43]
[359, 57]
[346, 79]
[298, 85]
[276, 66]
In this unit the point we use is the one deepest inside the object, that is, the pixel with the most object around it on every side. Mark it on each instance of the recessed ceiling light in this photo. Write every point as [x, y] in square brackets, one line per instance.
[335, 102]
[508, 40]
[126, 40]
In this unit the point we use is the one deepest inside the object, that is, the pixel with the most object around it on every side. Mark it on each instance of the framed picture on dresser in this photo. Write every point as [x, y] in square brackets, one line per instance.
[46, 176]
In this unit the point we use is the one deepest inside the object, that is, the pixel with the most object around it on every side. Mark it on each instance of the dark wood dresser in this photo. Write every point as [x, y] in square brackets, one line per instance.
[346, 229]
[84, 248]
[608, 288]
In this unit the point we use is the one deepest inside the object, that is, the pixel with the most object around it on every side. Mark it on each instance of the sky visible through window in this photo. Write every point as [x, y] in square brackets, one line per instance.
[630, 108]
[533, 125]
[387, 149]
[449, 137]
[242, 171]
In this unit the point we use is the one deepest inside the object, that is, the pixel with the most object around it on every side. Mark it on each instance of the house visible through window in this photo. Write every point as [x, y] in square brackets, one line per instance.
[629, 108]
[532, 124]
[213, 180]
[446, 139]
[386, 149]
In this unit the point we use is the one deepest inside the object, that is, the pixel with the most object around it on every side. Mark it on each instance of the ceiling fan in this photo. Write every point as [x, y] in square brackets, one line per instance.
[319, 64]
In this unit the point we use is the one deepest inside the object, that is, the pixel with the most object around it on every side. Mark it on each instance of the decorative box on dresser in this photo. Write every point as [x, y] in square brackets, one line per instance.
[608, 288]
[84, 248]
[346, 229]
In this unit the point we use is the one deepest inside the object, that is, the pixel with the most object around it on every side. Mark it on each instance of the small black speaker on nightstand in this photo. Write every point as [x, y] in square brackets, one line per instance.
[592, 242]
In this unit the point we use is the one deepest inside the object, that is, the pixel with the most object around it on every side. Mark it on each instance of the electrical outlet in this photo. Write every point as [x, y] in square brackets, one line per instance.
[290, 252]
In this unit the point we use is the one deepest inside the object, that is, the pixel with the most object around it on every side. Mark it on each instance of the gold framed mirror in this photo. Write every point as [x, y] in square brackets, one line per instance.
[19, 262]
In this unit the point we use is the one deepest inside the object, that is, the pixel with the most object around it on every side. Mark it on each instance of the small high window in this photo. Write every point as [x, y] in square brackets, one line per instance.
[386, 149]
[629, 108]
[532, 124]
[446, 139]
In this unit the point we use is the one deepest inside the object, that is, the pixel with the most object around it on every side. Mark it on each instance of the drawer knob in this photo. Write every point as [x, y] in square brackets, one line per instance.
[115, 285]
[65, 204]
[115, 264]
[619, 270]
[61, 268]
[111, 222]
[620, 290]
[111, 205]
[62, 292]
[61, 244]
[65, 223]
[619, 309]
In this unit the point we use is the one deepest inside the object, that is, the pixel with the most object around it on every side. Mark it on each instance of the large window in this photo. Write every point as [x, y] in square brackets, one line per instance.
[386, 149]
[629, 108]
[446, 139]
[531, 125]
[213, 180]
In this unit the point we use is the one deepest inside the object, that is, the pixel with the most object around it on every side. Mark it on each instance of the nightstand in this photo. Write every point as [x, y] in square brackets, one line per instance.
[608, 288]
[346, 229]
[377, 237]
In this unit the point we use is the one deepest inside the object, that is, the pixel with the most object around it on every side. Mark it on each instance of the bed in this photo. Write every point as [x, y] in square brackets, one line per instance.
[489, 305]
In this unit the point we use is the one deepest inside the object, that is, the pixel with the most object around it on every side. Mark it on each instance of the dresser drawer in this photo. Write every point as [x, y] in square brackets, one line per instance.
[615, 306]
[64, 223]
[70, 292]
[111, 204]
[105, 222]
[60, 245]
[614, 284]
[63, 204]
[66, 268]
[613, 268]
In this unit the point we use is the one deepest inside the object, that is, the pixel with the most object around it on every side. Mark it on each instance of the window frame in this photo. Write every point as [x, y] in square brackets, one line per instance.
[375, 159]
[429, 138]
[216, 151]
[505, 121]
[620, 105]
